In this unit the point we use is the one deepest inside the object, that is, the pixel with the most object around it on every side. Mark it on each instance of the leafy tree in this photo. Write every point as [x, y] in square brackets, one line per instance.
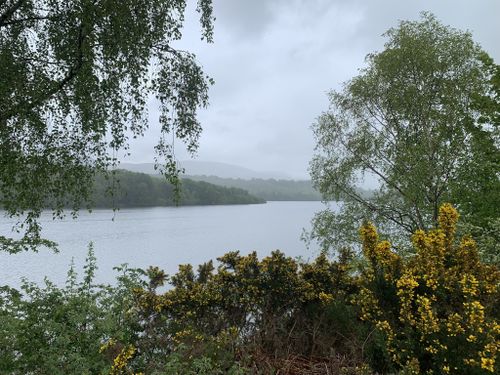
[76, 79]
[409, 121]
[478, 195]
[479, 191]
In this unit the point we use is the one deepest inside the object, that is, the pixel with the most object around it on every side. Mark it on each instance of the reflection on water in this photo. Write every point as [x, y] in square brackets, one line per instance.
[162, 236]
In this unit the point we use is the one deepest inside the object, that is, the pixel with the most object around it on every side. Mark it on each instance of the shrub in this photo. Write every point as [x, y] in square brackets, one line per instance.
[52, 330]
[248, 308]
[436, 309]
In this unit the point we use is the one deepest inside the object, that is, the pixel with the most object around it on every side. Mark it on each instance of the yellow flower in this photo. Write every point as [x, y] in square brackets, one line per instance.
[370, 238]
[475, 312]
[469, 285]
[385, 327]
[407, 281]
[453, 325]
[122, 359]
[108, 344]
[428, 322]
[470, 362]
[431, 349]
[448, 218]
[488, 364]
[471, 338]
[325, 297]
[431, 283]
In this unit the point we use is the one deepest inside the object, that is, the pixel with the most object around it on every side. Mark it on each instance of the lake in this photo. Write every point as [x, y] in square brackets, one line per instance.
[160, 236]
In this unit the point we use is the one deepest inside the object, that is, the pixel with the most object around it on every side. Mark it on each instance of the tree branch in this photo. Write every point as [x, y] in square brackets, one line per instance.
[21, 20]
[70, 75]
[9, 12]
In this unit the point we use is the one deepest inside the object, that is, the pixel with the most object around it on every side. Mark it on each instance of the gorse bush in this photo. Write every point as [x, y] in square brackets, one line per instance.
[438, 309]
[276, 307]
[433, 313]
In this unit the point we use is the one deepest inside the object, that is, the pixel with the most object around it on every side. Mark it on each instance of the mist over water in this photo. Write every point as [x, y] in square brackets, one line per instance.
[161, 236]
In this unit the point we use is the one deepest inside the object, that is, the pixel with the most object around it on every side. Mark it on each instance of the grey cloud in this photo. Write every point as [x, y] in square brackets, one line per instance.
[244, 18]
[479, 17]
[274, 60]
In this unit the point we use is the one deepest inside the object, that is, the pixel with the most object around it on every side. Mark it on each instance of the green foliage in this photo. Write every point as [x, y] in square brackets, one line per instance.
[273, 308]
[142, 190]
[76, 78]
[410, 121]
[51, 330]
[489, 104]
[177, 364]
[487, 238]
[477, 193]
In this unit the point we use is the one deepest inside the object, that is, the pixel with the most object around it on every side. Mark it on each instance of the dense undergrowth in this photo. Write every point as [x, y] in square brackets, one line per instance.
[434, 312]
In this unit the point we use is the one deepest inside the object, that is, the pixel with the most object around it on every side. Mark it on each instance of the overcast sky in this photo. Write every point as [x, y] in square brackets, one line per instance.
[273, 62]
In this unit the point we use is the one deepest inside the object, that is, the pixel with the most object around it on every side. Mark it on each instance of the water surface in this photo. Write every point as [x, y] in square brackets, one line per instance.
[161, 236]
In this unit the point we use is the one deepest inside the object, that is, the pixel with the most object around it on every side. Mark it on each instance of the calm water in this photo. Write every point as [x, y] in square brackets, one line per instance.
[161, 236]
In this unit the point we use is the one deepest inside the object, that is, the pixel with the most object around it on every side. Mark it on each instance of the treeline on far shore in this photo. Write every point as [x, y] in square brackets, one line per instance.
[130, 189]
[268, 189]
[271, 189]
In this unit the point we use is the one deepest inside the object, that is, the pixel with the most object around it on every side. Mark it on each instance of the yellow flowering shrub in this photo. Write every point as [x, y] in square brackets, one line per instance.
[121, 360]
[437, 308]
[435, 312]
[276, 306]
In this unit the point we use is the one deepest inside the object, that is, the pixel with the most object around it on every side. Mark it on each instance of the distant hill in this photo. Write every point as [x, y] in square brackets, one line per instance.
[271, 189]
[268, 189]
[265, 188]
[263, 185]
[143, 190]
[204, 168]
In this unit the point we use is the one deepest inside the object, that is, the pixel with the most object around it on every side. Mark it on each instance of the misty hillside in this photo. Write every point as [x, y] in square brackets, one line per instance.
[267, 189]
[143, 190]
[263, 185]
[204, 168]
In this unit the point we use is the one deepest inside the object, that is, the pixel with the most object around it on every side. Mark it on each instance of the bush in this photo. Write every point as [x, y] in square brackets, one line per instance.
[51, 330]
[251, 311]
[439, 309]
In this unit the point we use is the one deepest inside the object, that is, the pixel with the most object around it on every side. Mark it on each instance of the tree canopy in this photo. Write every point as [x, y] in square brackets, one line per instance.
[142, 190]
[414, 123]
[76, 77]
